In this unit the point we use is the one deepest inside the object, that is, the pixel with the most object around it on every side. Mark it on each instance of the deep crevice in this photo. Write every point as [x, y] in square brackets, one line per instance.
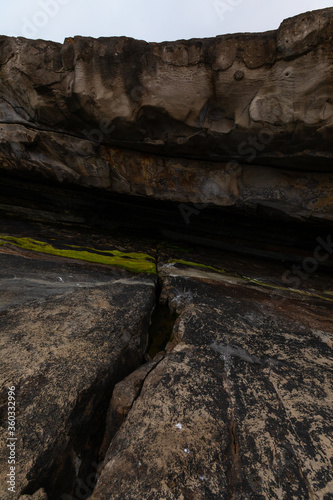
[84, 450]
[74, 475]
[159, 334]
[161, 326]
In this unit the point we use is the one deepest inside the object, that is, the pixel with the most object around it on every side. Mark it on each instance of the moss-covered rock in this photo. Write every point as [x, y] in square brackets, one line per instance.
[134, 262]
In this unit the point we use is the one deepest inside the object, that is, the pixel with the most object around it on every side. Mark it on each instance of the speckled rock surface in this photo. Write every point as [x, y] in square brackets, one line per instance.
[238, 403]
[190, 121]
[208, 164]
[240, 408]
[68, 334]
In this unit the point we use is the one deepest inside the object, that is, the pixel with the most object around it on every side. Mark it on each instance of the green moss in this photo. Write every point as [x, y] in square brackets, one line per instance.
[195, 264]
[134, 262]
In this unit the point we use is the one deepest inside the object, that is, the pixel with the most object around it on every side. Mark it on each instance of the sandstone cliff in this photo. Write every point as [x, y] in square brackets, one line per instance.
[166, 258]
[237, 120]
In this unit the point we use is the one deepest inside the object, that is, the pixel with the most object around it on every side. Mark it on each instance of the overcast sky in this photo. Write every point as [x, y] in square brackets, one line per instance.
[150, 20]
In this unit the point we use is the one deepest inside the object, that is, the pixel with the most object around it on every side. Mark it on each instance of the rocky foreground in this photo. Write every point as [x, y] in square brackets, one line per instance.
[227, 394]
[166, 321]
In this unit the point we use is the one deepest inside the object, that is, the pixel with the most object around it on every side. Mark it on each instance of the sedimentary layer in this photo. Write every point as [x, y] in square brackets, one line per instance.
[236, 120]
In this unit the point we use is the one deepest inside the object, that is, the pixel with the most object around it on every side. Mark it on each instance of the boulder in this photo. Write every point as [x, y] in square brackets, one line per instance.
[68, 335]
[240, 408]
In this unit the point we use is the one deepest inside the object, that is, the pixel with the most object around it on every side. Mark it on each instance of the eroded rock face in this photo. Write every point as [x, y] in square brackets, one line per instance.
[238, 402]
[39, 495]
[191, 121]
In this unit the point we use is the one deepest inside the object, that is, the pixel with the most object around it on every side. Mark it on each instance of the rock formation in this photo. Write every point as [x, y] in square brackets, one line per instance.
[236, 120]
[166, 266]
[238, 403]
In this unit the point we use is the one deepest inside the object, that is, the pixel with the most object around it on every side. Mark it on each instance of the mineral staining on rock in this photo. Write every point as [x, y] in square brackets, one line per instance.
[238, 120]
[100, 140]
[240, 407]
[64, 352]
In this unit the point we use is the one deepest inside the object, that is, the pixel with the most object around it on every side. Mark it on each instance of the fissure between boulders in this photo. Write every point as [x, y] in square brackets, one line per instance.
[75, 474]
[161, 326]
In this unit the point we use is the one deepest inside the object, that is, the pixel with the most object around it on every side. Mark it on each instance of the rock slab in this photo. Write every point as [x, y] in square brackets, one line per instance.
[240, 408]
[63, 349]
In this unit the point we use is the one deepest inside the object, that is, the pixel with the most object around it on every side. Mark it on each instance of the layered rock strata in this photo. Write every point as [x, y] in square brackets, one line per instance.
[110, 150]
[237, 120]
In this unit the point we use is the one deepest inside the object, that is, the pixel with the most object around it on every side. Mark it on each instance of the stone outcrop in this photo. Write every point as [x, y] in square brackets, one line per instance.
[237, 120]
[240, 407]
[68, 334]
[237, 403]
[166, 259]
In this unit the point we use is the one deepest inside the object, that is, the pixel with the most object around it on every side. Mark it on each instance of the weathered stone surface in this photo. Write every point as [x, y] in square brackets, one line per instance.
[240, 408]
[123, 397]
[238, 403]
[67, 336]
[297, 194]
[244, 385]
[191, 121]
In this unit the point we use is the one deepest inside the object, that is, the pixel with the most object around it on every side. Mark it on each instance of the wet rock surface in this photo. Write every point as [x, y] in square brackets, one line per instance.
[234, 121]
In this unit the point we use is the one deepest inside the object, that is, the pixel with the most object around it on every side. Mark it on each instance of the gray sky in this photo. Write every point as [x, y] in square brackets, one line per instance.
[151, 20]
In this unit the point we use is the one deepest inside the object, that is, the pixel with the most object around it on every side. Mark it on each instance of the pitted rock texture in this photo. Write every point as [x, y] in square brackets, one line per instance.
[190, 121]
[237, 403]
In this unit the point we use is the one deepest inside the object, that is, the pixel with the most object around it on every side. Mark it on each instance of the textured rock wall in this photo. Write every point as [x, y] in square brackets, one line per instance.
[204, 119]
[237, 403]
[68, 333]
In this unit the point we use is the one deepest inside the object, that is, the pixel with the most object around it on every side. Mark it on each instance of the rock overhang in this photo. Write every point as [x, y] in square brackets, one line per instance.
[239, 121]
